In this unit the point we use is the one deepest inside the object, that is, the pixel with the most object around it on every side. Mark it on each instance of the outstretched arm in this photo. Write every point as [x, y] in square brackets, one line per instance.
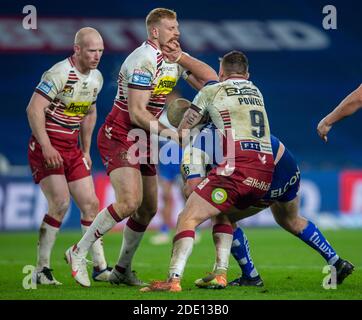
[348, 106]
[200, 72]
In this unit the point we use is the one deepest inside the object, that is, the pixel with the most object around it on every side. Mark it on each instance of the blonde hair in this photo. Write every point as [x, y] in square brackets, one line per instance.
[155, 16]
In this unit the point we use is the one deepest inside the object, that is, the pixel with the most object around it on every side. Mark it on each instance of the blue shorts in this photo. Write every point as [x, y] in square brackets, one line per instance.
[286, 180]
[169, 160]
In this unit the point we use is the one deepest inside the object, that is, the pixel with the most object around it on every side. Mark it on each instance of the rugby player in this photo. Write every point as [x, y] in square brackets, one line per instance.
[204, 153]
[146, 77]
[283, 200]
[236, 107]
[61, 110]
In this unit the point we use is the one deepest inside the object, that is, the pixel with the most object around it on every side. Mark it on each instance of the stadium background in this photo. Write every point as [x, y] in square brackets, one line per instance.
[303, 70]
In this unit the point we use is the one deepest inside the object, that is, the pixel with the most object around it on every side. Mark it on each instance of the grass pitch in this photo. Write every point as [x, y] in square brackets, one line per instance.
[290, 269]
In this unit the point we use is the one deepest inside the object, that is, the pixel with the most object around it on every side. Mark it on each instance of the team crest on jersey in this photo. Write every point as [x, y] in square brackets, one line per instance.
[219, 195]
[45, 86]
[141, 78]
[68, 91]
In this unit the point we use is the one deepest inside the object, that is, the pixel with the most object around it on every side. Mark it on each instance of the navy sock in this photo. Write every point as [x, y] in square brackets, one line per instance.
[241, 252]
[312, 236]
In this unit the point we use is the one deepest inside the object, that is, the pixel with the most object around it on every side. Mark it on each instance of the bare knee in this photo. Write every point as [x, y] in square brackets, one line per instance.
[127, 206]
[145, 213]
[90, 209]
[286, 214]
[58, 208]
[187, 221]
[220, 219]
[294, 225]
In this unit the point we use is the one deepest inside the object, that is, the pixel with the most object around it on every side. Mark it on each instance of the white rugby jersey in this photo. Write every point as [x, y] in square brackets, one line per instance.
[71, 95]
[237, 104]
[145, 69]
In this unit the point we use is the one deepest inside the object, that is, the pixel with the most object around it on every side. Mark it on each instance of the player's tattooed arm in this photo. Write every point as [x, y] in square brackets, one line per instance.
[191, 118]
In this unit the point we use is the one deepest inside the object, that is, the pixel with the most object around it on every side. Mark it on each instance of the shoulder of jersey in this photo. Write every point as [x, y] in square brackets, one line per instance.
[61, 66]
[60, 69]
[145, 50]
[208, 88]
[98, 74]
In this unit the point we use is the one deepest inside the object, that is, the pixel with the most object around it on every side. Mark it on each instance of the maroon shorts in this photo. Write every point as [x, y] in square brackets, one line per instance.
[118, 152]
[74, 165]
[242, 188]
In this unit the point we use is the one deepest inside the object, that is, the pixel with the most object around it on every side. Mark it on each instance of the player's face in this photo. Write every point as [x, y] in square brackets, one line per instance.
[168, 31]
[91, 53]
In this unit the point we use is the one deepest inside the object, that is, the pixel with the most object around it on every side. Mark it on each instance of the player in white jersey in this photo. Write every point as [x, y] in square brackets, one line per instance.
[348, 106]
[61, 110]
[236, 107]
[144, 81]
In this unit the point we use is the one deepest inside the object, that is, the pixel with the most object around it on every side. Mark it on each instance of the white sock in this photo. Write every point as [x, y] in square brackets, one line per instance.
[223, 239]
[47, 235]
[96, 250]
[132, 236]
[182, 248]
[104, 221]
[222, 243]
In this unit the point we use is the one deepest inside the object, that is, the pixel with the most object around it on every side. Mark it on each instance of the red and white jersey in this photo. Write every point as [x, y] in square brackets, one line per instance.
[143, 69]
[71, 95]
[236, 107]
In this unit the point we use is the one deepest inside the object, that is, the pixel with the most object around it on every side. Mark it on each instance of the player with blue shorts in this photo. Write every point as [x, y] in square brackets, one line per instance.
[282, 198]
[169, 171]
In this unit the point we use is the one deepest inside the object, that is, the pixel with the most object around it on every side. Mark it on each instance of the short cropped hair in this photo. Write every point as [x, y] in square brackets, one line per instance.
[157, 14]
[235, 62]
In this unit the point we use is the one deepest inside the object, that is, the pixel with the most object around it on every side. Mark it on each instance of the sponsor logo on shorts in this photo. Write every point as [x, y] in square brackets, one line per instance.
[124, 155]
[32, 146]
[108, 132]
[255, 183]
[275, 193]
[203, 183]
[106, 162]
[141, 78]
[219, 195]
[45, 86]
[262, 158]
